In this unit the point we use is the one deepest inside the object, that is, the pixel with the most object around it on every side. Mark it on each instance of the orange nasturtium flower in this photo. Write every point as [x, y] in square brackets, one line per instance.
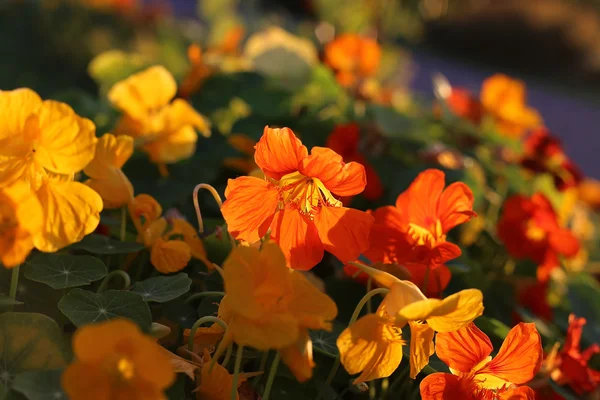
[116, 361]
[44, 143]
[296, 201]
[165, 129]
[413, 233]
[529, 228]
[372, 346]
[353, 58]
[20, 219]
[216, 384]
[172, 242]
[105, 170]
[503, 98]
[478, 376]
[270, 306]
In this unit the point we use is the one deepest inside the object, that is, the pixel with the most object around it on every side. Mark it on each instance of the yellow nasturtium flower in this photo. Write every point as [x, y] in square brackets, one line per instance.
[172, 243]
[373, 345]
[44, 143]
[165, 129]
[106, 177]
[20, 220]
[270, 306]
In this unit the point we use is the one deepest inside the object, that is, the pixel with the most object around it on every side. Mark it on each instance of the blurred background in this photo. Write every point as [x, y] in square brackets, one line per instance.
[553, 45]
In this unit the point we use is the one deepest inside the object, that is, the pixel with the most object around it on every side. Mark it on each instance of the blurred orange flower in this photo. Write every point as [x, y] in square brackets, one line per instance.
[116, 361]
[372, 346]
[475, 374]
[503, 98]
[217, 384]
[21, 215]
[107, 179]
[270, 306]
[529, 228]
[344, 140]
[589, 192]
[165, 129]
[353, 58]
[295, 201]
[465, 105]
[172, 242]
[413, 233]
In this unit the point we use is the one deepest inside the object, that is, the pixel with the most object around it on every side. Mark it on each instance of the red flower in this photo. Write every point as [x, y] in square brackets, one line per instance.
[465, 105]
[534, 297]
[544, 154]
[529, 229]
[344, 140]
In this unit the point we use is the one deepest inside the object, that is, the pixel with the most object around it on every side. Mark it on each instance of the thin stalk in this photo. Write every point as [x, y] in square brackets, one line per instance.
[123, 232]
[236, 372]
[261, 368]
[14, 282]
[271, 378]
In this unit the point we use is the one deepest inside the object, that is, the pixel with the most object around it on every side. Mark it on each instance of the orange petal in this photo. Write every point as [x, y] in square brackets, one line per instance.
[344, 139]
[298, 238]
[421, 347]
[344, 231]
[313, 308]
[437, 278]
[274, 332]
[170, 256]
[279, 152]
[520, 393]
[86, 381]
[520, 356]
[442, 386]
[463, 349]
[455, 206]
[343, 179]
[387, 242]
[298, 357]
[420, 201]
[564, 242]
[251, 202]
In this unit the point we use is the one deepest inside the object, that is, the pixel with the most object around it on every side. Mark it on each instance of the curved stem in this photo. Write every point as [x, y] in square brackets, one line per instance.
[109, 277]
[236, 372]
[355, 315]
[200, 295]
[369, 287]
[203, 321]
[215, 195]
[271, 378]
[219, 270]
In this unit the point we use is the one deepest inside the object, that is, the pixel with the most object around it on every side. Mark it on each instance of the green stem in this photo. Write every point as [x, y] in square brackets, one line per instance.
[261, 368]
[353, 319]
[271, 378]
[369, 287]
[123, 223]
[14, 282]
[200, 295]
[109, 277]
[236, 372]
[203, 321]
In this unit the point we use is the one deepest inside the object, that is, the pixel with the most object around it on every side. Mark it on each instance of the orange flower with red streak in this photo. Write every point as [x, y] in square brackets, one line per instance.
[413, 233]
[296, 201]
[344, 140]
[353, 58]
[475, 374]
[571, 366]
[544, 154]
[529, 228]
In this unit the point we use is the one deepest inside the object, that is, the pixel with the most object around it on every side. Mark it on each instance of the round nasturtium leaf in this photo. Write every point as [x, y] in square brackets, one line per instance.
[163, 288]
[100, 244]
[40, 385]
[60, 271]
[84, 307]
[29, 342]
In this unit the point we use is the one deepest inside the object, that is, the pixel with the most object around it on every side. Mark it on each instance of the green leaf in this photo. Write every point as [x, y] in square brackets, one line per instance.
[8, 301]
[61, 271]
[100, 244]
[390, 121]
[163, 288]
[40, 385]
[325, 342]
[583, 293]
[492, 326]
[28, 342]
[84, 307]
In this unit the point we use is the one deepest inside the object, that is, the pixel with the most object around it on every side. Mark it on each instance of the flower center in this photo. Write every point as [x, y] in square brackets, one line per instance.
[534, 232]
[308, 194]
[427, 236]
[126, 368]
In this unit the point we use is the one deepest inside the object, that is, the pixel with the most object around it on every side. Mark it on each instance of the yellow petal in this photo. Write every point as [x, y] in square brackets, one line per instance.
[66, 141]
[180, 113]
[421, 347]
[144, 209]
[114, 188]
[298, 357]
[112, 152]
[371, 346]
[173, 147]
[71, 211]
[144, 92]
[190, 236]
[401, 295]
[313, 308]
[466, 305]
[170, 256]
[382, 278]
[15, 107]
[274, 331]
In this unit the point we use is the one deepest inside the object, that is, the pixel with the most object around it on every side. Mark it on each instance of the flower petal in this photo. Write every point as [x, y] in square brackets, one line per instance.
[344, 231]
[313, 308]
[298, 357]
[383, 278]
[457, 310]
[180, 114]
[250, 203]
[169, 256]
[419, 202]
[371, 347]
[15, 108]
[71, 211]
[442, 386]
[519, 358]
[421, 347]
[87, 381]
[463, 349]
[112, 152]
[343, 179]
[387, 242]
[279, 152]
[115, 188]
[298, 238]
[401, 295]
[437, 278]
[564, 242]
[275, 332]
[455, 206]
[519, 393]
[172, 147]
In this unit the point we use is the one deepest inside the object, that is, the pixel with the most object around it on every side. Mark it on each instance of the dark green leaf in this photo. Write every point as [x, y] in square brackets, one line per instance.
[85, 307]
[61, 271]
[492, 326]
[584, 292]
[100, 244]
[40, 385]
[163, 288]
